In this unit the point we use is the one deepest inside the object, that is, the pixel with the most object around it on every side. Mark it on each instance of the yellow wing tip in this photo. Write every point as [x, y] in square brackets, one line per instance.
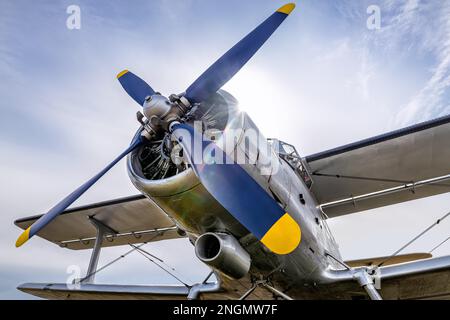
[23, 238]
[121, 73]
[287, 8]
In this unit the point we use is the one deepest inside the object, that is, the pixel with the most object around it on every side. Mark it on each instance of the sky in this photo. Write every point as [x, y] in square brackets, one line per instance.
[324, 79]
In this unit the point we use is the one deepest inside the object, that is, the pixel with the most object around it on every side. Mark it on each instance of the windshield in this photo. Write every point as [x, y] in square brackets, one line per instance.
[289, 153]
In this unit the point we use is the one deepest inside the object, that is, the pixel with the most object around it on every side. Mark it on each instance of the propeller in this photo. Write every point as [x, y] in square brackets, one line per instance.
[67, 201]
[137, 88]
[234, 59]
[221, 71]
[258, 212]
[226, 182]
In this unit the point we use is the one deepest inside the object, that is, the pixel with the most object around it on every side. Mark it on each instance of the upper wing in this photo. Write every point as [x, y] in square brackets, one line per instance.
[399, 166]
[133, 219]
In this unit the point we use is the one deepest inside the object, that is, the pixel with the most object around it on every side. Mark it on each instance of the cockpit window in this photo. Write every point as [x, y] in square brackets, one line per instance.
[290, 155]
[287, 149]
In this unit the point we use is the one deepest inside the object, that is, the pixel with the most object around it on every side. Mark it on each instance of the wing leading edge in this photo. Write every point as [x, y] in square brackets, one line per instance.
[399, 166]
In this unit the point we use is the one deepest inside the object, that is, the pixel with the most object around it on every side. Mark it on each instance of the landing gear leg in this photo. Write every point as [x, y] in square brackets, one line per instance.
[277, 292]
[366, 281]
[249, 292]
[364, 278]
[263, 283]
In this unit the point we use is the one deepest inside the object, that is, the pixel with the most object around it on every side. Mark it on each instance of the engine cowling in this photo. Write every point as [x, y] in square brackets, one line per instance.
[177, 190]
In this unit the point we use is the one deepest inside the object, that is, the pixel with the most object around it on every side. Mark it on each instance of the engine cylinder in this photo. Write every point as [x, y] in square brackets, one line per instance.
[224, 253]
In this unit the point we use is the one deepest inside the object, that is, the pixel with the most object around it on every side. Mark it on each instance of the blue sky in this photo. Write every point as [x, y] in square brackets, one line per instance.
[321, 81]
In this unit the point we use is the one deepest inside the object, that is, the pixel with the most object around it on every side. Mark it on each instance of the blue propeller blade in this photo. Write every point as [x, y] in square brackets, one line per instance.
[240, 194]
[232, 61]
[67, 201]
[137, 88]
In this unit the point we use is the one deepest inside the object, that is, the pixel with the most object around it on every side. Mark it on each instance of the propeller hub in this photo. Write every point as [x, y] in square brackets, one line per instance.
[156, 106]
[161, 112]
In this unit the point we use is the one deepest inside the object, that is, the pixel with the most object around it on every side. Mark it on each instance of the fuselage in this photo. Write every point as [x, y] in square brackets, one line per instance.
[280, 172]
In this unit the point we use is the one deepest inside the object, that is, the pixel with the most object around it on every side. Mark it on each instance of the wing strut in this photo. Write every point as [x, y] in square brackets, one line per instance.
[102, 230]
[411, 186]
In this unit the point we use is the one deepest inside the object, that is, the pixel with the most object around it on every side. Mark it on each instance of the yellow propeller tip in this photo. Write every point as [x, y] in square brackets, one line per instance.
[23, 238]
[122, 73]
[287, 8]
[284, 236]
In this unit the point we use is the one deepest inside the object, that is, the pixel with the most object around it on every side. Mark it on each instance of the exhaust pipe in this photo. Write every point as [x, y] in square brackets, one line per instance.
[223, 253]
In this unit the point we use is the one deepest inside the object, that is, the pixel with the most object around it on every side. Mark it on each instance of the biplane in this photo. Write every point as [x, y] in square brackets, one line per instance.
[254, 209]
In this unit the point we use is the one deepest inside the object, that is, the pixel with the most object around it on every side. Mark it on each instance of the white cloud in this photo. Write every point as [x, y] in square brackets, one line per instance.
[426, 26]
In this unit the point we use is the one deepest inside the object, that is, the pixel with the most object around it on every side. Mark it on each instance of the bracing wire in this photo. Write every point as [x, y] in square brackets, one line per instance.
[413, 240]
[112, 261]
[149, 257]
[439, 245]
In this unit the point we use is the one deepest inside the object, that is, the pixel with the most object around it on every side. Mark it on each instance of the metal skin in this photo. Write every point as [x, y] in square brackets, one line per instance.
[196, 212]
[156, 105]
[223, 252]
